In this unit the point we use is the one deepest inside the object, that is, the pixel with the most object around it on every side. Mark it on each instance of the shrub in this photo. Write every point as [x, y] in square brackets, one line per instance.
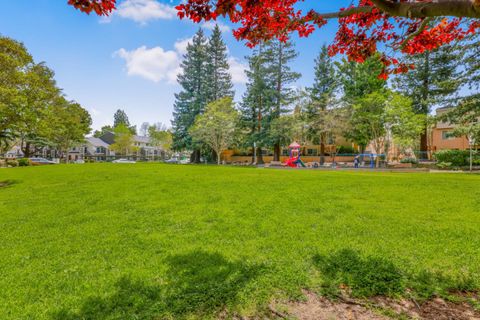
[12, 163]
[345, 150]
[457, 158]
[444, 165]
[23, 162]
[409, 160]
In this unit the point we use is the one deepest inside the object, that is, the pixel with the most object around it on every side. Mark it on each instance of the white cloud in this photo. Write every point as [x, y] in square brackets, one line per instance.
[237, 70]
[211, 24]
[157, 64]
[142, 11]
[181, 45]
[154, 64]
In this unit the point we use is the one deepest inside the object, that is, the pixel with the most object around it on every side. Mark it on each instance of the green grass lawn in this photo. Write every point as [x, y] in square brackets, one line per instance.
[152, 241]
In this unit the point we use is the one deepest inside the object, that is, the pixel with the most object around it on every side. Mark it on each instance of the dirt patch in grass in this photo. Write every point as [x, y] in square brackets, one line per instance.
[320, 308]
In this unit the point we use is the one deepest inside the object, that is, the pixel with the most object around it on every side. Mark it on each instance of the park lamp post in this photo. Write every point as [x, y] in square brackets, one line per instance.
[471, 143]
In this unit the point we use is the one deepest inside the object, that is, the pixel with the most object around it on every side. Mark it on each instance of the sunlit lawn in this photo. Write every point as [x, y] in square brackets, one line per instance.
[152, 241]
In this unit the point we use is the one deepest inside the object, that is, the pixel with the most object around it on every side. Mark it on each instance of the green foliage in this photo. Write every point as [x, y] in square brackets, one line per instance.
[193, 97]
[160, 136]
[322, 98]
[175, 242]
[69, 123]
[269, 94]
[12, 163]
[31, 103]
[219, 81]
[409, 160]
[217, 126]
[124, 141]
[358, 81]
[102, 131]
[346, 150]
[458, 158]
[24, 162]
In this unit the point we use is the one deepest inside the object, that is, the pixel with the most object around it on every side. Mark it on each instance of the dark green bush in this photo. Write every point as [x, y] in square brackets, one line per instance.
[345, 150]
[12, 163]
[458, 158]
[409, 160]
[24, 162]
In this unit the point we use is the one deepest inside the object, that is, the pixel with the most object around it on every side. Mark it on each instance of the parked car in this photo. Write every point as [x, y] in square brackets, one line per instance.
[172, 160]
[184, 161]
[40, 161]
[79, 161]
[123, 161]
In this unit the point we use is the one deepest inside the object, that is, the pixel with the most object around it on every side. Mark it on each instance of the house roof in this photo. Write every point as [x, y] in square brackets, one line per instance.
[96, 142]
[142, 139]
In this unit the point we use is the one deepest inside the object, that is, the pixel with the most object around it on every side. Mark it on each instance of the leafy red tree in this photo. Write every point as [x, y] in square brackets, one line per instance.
[408, 26]
[100, 7]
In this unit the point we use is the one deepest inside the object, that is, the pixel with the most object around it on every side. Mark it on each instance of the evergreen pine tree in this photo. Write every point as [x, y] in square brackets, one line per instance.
[278, 55]
[322, 94]
[192, 99]
[256, 104]
[433, 82]
[119, 118]
[219, 80]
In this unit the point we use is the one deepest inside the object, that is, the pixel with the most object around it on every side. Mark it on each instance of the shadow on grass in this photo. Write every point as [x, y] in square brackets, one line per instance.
[198, 283]
[365, 276]
[7, 183]
[375, 276]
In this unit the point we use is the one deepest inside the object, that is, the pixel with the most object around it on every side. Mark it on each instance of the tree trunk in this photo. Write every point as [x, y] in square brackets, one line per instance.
[218, 157]
[276, 152]
[195, 156]
[259, 156]
[26, 150]
[424, 144]
[425, 107]
[215, 157]
[322, 149]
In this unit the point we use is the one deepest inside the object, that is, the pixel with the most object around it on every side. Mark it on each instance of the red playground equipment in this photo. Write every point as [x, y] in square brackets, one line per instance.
[294, 160]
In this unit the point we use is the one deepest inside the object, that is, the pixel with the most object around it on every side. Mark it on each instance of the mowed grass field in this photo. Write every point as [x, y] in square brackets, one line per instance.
[153, 241]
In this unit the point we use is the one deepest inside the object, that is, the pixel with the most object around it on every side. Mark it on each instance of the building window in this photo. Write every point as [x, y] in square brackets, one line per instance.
[311, 152]
[447, 135]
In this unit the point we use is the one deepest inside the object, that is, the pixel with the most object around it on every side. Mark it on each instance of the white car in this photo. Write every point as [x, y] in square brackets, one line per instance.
[40, 161]
[123, 161]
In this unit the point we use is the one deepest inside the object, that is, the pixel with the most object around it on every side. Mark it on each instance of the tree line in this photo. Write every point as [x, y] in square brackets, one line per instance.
[347, 99]
[33, 111]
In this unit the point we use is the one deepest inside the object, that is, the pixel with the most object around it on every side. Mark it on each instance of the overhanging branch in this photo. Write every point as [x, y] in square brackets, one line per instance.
[439, 8]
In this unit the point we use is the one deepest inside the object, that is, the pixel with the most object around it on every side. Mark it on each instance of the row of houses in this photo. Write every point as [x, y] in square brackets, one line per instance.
[97, 149]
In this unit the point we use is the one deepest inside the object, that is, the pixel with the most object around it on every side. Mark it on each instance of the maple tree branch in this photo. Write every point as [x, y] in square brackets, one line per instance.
[438, 8]
[345, 13]
[416, 33]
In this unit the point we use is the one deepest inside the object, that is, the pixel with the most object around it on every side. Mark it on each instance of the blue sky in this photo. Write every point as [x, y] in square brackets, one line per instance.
[130, 59]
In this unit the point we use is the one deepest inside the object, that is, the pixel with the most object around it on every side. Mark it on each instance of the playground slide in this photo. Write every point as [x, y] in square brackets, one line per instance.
[293, 162]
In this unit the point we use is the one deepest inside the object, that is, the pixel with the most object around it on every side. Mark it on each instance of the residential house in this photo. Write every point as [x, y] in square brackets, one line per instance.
[442, 135]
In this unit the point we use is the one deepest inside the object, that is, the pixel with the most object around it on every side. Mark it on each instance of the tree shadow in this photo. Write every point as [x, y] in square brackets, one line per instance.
[8, 183]
[364, 276]
[196, 284]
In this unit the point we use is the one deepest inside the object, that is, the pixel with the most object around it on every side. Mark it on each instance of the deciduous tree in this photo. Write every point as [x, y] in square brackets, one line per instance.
[216, 127]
